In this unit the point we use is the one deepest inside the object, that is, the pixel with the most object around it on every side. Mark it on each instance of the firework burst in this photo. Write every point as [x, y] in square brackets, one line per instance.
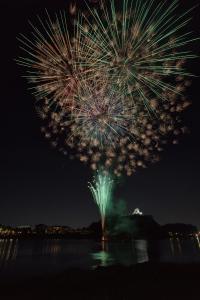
[101, 116]
[109, 131]
[111, 93]
[140, 45]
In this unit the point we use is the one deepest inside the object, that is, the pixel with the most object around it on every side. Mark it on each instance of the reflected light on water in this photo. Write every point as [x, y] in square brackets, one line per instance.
[175, 246]
[172, 246]
[8, 250]
[198, 242]
[105, 259]
[179, 246]
[125, 253]
[141, 247]
[22, 257]
[51, 247]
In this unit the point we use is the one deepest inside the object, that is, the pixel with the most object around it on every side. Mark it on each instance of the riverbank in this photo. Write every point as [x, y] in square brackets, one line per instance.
[142, 281]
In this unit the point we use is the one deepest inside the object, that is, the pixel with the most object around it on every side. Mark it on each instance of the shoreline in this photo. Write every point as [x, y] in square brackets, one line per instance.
[92, 237]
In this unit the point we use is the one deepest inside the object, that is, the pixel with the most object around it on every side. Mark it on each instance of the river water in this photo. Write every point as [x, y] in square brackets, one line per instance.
[20, 259]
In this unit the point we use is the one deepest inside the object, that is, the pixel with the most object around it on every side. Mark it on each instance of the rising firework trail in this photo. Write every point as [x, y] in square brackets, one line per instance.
[102, 189]
[52, 61]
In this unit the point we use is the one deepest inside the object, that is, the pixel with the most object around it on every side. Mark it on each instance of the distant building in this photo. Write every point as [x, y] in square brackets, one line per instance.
[180, 229]
[23, 230]
[6, 230]
[137, 212]
[58, 230]
[24, 227]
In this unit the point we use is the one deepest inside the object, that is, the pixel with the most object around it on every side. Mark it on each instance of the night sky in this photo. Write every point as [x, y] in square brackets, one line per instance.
[40, 185]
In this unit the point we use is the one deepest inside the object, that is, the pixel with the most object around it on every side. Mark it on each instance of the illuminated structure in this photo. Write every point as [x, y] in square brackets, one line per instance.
[137, 212]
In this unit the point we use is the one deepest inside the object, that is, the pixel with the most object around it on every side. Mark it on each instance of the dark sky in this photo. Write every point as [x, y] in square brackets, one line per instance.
[39, 185]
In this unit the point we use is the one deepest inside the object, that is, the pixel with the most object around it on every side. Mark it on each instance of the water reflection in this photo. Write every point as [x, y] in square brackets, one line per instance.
[176, 247]
[198, 242]
[33, 257]
[179, 246]
[140, 251]
[8, 250]
[47, 247]
[172, 246]
[123, 253]
[141, 247]
[103, 257]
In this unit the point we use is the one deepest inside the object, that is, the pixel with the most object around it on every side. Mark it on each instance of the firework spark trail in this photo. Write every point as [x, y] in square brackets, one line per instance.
[140, 47]
[118, 136]
[101, 116]
[102, 189]
[51, 61]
